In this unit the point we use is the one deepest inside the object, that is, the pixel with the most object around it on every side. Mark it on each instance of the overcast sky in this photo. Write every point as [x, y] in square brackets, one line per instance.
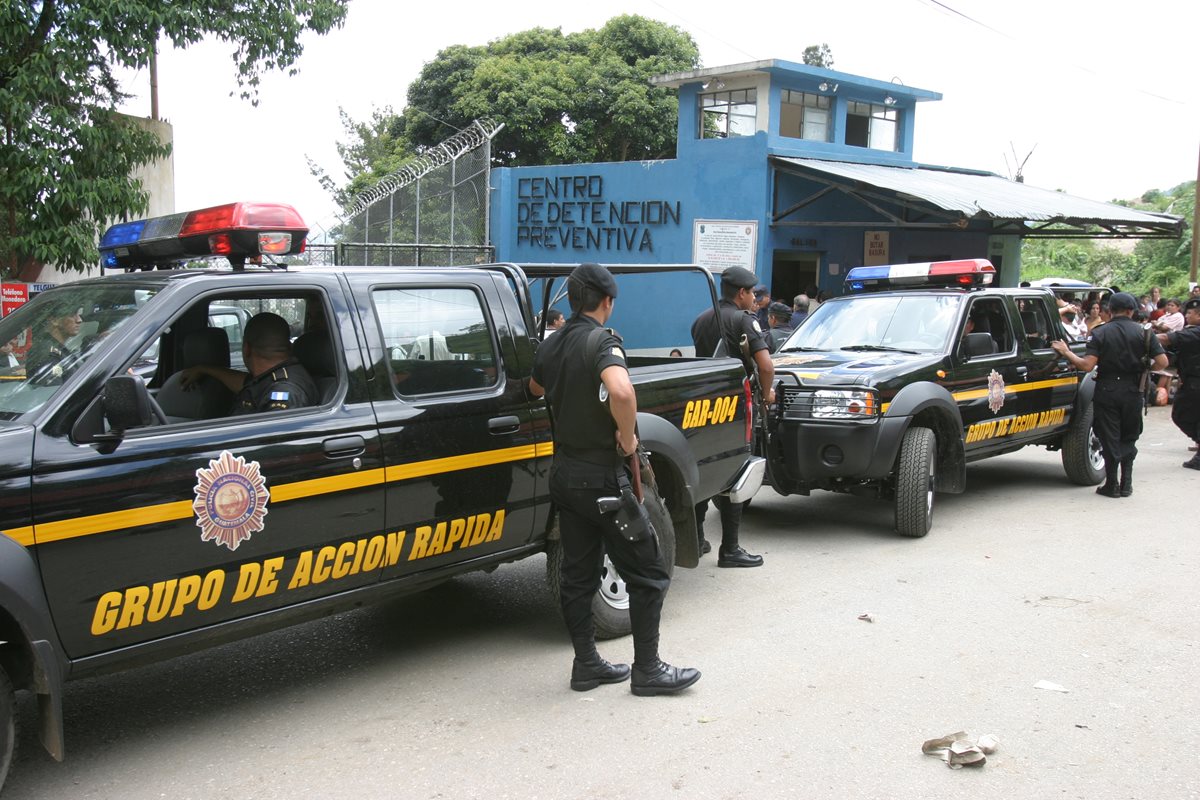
[1100, 95]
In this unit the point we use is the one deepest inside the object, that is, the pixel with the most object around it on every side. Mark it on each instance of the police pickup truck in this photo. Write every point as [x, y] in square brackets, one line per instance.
[138, 520]
[890, 390]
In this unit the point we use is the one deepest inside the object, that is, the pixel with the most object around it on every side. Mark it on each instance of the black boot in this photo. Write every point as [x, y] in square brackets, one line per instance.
[736, 556]
[1127, 477]
[1109, 487]
[659, 677]
[586, 675]
[1193, 462]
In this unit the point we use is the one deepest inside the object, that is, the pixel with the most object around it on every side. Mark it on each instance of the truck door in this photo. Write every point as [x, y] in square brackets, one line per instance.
[459, 443]
[1051, 383]
[987, 375]
[201, 521]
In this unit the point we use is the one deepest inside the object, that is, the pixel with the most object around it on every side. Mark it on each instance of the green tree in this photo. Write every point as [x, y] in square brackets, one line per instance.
[66, 156]
[563, 98]
[818, 55]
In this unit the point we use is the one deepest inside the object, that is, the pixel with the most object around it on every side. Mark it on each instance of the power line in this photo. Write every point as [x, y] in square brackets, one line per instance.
[945, 8]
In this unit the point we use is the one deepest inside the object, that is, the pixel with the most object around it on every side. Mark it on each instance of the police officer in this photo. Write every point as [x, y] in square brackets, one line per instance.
[1186, 344]
[276, 380]
[721, 332]
[49, 359]
[582, 372]
[1119, 349]
[780, 317]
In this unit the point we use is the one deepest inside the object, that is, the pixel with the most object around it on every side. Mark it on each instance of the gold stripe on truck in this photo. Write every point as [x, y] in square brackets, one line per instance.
[182, 509]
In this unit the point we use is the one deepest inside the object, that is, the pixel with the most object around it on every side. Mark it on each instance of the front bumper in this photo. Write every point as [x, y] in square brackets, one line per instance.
[814, 451]
[748, 480]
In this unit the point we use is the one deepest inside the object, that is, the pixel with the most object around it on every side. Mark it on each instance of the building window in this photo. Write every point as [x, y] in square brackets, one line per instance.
[869, 125]
[727, 114]
[804, 116]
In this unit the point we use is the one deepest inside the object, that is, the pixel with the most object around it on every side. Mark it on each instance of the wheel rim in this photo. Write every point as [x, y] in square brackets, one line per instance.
[612, 586]
[1095, 452]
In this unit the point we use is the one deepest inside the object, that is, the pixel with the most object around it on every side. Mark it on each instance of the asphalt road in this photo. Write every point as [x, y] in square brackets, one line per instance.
[461, 692]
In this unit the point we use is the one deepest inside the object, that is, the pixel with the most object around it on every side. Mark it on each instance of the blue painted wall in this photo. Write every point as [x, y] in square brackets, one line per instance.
[644, 212]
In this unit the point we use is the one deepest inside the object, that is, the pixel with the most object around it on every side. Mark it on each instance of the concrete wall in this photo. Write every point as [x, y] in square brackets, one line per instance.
[158, 178]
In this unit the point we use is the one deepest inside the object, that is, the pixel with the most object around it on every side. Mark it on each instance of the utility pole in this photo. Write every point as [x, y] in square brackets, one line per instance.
[154, 89]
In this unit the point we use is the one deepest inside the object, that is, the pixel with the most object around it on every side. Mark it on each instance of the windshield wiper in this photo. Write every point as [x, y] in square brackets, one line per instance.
[878, 348]
[800, 349]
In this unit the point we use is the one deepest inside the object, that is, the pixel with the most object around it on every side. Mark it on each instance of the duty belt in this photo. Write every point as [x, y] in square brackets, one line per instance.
[1137, 377]
[604, 458]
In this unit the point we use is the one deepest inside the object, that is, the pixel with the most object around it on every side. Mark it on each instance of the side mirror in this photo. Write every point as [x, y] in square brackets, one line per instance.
[127, 404]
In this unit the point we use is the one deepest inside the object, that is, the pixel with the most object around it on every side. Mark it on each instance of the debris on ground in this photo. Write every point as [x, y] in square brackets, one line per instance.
[958, 751]
[1050, 686]
[867, 616]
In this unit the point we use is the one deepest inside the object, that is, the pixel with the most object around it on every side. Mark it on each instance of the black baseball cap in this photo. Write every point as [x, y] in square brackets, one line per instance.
[740, 277]
[1122, 301]
[595, 276]
[1190, 304]
[779, 310]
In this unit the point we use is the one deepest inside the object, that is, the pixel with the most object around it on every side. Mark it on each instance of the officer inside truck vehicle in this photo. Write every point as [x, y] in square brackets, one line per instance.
[276, 379]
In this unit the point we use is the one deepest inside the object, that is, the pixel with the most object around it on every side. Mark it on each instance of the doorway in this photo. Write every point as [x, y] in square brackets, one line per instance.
[793, 272]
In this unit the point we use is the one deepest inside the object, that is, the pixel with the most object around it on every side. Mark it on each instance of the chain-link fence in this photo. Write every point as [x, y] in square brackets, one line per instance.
[432, 212]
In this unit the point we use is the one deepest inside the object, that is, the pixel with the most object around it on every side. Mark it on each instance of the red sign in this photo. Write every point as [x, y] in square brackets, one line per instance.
[12, 295]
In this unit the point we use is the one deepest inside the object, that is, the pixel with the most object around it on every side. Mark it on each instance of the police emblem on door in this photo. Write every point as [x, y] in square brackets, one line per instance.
[995, 392]
[231, 500]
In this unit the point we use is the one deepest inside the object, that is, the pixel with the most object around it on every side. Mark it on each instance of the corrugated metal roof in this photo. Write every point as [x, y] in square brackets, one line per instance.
[975, 194]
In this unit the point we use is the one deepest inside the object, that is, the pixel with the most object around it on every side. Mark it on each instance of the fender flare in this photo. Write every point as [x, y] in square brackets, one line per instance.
[915, 400]
[23, 604]
[1087, 391]
[667, 443]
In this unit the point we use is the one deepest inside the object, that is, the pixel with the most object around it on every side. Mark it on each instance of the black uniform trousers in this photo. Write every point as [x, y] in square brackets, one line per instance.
[586, 534]
[1117, 419]
[1185, 412]
[731, 519]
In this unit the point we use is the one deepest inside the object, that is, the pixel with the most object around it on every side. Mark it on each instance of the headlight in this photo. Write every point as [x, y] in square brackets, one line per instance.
[841, 404]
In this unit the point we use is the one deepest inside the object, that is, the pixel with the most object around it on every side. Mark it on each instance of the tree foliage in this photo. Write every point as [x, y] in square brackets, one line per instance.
[818, 55]
[1151, 262]
[66, 156]
[563, 98]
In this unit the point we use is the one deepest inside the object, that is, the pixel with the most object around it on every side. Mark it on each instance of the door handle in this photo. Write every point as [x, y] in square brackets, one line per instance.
[343, 446]
[1022, 371]
[500, 425]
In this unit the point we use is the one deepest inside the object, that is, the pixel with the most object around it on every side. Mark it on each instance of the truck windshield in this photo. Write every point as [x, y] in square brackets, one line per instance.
[47, 340]
[908, 323]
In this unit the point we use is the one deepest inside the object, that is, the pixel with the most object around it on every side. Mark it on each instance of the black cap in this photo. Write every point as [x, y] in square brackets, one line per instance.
[595, 276]
[761, 290]
[1122, 301]
[779, 310]
[740, 277]
[1190, 304]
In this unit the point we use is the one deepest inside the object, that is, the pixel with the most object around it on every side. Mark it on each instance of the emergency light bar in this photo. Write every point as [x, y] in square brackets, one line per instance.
[969, 272]
[235, 230]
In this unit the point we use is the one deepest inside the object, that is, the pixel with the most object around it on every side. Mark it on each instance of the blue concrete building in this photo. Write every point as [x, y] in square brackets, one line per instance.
[798, 173]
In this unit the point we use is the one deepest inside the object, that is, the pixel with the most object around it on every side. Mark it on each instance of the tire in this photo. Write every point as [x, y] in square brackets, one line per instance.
[610, 605]
[1082, 458]
[8, 725]
[916, 480]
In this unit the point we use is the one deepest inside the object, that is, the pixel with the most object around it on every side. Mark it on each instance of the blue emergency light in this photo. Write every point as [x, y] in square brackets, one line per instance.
[967, 273]
[237, 231]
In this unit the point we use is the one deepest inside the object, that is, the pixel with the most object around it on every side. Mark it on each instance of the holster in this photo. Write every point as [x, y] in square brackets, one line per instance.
[628, 517]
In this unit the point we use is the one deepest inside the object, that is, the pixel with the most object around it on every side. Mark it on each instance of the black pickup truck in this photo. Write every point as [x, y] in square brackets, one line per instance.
[889, 391]
[139, 521]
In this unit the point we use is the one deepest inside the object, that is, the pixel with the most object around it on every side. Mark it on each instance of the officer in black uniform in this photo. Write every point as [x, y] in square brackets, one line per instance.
[1185, 413]
[276, 380]
[582, 371]
[1119, 348]
[721, 332]
[49, 360]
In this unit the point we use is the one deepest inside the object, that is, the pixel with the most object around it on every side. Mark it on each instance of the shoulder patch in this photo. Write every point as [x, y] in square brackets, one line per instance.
[619, 353]
[757, 327]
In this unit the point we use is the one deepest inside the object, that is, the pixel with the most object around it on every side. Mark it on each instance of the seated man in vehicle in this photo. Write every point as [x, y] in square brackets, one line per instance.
[276, 379]
[50, 359]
